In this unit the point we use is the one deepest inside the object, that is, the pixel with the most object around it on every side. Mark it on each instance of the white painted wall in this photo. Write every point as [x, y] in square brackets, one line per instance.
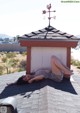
[41, 56]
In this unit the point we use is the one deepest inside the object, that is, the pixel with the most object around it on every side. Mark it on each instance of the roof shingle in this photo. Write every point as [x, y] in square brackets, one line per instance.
[45, 96]
[47, 33]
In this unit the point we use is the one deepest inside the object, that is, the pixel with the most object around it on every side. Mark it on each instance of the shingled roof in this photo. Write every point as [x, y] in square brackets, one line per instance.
[45, 96]
[48, 33]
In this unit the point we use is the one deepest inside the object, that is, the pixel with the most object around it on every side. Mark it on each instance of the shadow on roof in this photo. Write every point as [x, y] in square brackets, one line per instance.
[65, 85]
[13, 90]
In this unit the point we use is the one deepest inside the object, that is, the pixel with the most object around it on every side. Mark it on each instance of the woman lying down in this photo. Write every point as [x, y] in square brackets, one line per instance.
[57, 72]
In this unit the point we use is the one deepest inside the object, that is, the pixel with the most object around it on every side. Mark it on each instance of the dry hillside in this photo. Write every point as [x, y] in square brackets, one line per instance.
[12, 61]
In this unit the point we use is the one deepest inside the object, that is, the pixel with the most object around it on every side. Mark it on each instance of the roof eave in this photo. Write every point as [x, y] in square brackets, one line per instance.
[49, 43]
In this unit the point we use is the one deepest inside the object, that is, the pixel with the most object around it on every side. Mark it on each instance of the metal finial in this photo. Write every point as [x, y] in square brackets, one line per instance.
[49, 11]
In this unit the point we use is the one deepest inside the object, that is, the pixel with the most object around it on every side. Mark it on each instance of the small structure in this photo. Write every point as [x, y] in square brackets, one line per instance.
[44, 43]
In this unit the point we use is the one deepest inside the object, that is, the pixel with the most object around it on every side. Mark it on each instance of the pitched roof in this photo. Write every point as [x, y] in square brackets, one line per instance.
[48, 33]
[45, 96]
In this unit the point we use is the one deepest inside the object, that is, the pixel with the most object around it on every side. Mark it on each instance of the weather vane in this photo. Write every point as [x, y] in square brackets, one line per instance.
[49, 11]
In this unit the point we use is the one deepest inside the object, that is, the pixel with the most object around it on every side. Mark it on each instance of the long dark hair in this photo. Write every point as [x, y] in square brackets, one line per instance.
[20, 81]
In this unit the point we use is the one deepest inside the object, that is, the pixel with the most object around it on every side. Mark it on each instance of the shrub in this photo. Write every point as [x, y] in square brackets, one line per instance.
[24, 53]
[78, 67]
[10, 54]
[4, 59]
[23, 64]
[75, 63]
[1, 70]
[21, 69]
[13, 62]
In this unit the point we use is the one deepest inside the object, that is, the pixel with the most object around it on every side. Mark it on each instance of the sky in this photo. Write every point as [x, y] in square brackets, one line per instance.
[19, 17]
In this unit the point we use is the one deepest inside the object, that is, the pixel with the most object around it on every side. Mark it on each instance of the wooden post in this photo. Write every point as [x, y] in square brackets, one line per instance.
[68, 56]
[28, 67]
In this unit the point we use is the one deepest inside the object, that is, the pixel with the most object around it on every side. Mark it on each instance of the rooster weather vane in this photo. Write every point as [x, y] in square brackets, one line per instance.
[49, 11]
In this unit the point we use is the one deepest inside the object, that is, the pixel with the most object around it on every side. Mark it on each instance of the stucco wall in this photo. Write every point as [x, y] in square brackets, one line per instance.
[40, 56]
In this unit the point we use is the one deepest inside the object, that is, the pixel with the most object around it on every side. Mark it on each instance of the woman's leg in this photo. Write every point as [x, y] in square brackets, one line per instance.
[58, 67]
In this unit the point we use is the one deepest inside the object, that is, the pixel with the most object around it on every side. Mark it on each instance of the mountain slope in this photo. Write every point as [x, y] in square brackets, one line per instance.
[3, 36]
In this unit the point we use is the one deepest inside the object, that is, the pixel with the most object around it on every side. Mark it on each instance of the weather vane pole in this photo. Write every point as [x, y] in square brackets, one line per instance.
[49, 11]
